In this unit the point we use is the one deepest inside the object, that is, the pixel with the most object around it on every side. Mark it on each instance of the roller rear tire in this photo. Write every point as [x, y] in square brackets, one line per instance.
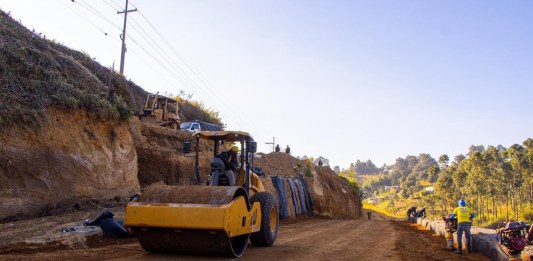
[269, 220]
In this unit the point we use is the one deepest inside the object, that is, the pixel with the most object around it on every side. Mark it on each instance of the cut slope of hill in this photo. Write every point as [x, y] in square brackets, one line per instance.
[65, 139]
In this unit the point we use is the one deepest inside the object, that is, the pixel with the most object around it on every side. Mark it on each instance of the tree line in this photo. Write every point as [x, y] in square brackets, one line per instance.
[495, 180]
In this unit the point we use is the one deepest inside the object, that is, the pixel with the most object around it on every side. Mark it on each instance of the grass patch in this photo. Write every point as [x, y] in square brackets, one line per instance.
[37, 74]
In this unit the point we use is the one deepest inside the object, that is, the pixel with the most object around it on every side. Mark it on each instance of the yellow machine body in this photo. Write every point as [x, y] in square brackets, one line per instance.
[234, 218]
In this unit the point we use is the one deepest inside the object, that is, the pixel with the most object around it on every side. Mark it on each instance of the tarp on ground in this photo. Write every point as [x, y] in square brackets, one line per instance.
[297, 209]
[280, 188]
[302, 196]
[308, 201]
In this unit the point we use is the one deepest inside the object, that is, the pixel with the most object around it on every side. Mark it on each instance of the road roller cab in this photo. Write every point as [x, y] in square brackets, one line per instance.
[208, 220]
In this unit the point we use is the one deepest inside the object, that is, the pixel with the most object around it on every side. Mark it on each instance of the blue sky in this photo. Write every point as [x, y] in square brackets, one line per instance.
[346, 80]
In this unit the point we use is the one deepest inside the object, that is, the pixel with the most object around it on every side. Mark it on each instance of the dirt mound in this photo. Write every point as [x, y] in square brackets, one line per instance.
[331, 196]
[280, 164]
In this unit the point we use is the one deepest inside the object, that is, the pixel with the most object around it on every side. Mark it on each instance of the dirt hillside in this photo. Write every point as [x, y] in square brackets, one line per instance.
[161, 158]
[65, 141]
[70, 161]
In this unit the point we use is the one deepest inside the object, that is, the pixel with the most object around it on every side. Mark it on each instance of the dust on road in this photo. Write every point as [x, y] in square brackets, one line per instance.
[309, 239]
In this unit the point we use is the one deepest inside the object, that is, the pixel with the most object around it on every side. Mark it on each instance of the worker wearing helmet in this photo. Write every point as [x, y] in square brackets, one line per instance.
[464, 223]
[231, 164]
[411, 213]
[233, 161]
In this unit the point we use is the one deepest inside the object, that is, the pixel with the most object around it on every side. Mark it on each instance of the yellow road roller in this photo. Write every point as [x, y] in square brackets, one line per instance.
[205, 219]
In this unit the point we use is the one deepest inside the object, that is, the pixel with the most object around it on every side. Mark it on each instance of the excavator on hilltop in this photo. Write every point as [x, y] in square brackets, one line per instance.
[208, 220]
[161, 110]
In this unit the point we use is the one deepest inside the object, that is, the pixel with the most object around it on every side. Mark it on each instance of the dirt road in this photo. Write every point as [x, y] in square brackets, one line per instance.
[311, 239]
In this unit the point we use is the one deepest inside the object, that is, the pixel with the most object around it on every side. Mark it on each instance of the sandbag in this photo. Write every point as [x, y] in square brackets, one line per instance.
[112, 228]
[280, 188]
[307, 195]
[290, 204]
[302, 196]
[297, 209]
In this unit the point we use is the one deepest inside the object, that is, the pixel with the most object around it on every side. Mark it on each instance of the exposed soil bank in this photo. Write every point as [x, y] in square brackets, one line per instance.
[72, 160]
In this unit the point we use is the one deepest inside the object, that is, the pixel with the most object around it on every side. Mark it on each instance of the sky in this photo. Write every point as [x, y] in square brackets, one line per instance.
[345, 80]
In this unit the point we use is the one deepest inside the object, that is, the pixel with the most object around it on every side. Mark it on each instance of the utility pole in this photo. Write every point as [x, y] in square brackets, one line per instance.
[123, 36]
[273, 143]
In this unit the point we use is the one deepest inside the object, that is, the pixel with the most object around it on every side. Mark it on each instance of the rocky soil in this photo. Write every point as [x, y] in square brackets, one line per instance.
[72, 162]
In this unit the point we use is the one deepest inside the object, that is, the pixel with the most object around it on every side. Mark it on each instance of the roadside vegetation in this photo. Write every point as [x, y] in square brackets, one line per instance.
[196, 110]
[37, 73]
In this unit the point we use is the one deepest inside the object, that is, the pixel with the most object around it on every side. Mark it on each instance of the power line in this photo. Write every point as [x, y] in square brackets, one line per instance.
[170, 61]
[113, 2]
[163, 76]
[176, 71]
[86, 19]
[185, 62]
[107, 3]
[148, 39]
[95, 12]
[175, 66]
[158, 61]
[115, 38]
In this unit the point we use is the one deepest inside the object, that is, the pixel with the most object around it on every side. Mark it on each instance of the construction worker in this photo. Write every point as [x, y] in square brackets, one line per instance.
[464, 223]
[110, 226]
[421, 213]
[288, 150]
[231, 164]
[411, 212]
[278, 149]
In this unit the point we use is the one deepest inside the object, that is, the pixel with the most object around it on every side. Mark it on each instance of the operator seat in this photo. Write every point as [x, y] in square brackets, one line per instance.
[219, 175]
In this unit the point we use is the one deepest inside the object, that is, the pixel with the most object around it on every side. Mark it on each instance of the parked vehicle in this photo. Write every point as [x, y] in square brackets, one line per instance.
[196, 126]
